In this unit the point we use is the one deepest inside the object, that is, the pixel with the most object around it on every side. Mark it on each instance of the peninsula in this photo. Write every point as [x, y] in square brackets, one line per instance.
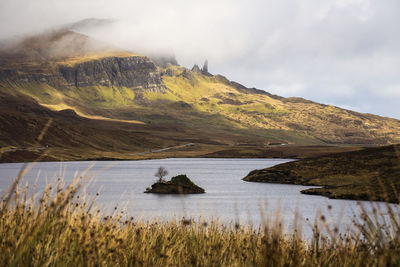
[368, 174]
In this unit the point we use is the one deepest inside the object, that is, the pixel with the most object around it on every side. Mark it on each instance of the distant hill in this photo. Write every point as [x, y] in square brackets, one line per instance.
[63, 69]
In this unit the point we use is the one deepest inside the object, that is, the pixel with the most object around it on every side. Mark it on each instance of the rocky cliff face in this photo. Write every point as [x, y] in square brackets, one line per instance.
[132, 72]
[63, 59]
[135, 72]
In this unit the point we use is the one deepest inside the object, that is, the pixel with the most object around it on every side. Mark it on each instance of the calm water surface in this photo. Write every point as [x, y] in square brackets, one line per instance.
[227, 197]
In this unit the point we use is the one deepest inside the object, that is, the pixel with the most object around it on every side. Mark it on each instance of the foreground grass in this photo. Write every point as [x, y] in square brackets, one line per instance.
[64, 228]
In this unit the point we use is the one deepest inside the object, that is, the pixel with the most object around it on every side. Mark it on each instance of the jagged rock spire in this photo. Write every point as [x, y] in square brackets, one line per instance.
[196, 68]
[204, 70]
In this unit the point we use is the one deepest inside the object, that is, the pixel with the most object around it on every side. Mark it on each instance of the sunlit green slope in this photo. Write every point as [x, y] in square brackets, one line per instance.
[118, 85]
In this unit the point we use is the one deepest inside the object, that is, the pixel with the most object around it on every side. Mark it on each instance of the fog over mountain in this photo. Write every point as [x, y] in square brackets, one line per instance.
[340, 52]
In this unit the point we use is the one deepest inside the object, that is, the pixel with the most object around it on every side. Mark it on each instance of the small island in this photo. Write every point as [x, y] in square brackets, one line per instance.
[180, 184]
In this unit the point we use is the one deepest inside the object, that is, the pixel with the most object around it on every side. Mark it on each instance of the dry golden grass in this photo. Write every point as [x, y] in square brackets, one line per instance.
[211, 95]
[64, 228]
[62, 106]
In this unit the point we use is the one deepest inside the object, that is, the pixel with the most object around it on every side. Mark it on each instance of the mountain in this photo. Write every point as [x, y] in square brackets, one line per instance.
[101, 89]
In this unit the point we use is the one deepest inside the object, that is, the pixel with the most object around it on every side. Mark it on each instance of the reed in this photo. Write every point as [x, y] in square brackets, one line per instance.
[63, 227]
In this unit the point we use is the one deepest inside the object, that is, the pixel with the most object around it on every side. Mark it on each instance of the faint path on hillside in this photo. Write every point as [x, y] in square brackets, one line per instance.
[164, 149]
[22, 149]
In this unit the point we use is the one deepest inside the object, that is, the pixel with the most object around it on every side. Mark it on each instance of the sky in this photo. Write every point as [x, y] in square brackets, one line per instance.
[340, 52]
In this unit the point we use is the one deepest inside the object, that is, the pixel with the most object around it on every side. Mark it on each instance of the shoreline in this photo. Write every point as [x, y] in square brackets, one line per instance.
[370, 174]
[315, 158]
[181, 151]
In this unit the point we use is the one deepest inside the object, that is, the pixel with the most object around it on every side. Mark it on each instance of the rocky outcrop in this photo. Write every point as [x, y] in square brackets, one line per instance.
[63, 59]
[180, 184]
[15, 76]
[133, 72]
[204, 70]
[196, 68]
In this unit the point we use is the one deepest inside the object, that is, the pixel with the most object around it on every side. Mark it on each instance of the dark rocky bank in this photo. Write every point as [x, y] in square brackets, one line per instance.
[368, 174]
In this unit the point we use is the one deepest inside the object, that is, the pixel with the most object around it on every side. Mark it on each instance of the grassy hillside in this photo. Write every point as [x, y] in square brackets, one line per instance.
[72, 137]
[314, 123]
[64, 70]
[200, 101]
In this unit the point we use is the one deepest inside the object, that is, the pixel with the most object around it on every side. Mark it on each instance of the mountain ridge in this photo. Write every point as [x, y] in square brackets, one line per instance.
[110, 83]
